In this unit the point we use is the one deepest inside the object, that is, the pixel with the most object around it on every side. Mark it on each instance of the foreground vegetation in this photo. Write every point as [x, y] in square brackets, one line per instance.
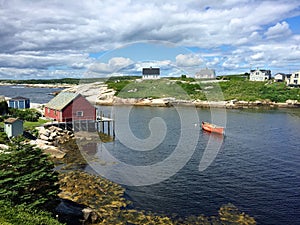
[28, 185]
[20, 214]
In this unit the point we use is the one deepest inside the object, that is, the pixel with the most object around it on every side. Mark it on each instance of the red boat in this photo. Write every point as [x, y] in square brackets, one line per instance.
[212, 128]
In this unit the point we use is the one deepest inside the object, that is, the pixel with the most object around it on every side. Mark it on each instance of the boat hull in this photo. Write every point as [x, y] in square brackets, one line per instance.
[212, 128]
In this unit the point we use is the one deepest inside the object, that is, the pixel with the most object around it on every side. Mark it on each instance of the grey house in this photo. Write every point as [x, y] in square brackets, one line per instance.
[13, 127]
[205, 73]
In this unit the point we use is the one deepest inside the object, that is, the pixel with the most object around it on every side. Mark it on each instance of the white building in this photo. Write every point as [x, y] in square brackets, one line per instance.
[293, 79]
[260, 75]
[205, 73]
[279, 77]
[151, 73]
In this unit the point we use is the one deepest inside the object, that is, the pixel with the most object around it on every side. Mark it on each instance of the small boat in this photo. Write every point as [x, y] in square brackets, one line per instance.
[212, 128]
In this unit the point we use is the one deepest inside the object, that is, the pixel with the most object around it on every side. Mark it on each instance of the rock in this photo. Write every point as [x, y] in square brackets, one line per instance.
[158, 102]
[89, 215]
[54, 152]
[4, 147]
[53, 135]
[44, 137]
[258, 102]
[44, 132]
[291, 102]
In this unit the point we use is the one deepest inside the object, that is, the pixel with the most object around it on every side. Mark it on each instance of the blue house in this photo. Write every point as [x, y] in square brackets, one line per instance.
[19, 103]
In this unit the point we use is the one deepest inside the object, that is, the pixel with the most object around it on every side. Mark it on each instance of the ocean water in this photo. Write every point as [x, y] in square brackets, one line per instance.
[36, 95]
[256, 167]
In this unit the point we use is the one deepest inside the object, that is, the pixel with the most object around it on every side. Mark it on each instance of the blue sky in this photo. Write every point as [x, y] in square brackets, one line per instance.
[56, 39]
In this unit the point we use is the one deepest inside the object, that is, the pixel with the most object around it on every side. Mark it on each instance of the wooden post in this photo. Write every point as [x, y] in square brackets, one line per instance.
[114, 134]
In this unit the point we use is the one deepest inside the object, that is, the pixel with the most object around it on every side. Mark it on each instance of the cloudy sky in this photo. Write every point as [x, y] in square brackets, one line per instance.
[56, 39]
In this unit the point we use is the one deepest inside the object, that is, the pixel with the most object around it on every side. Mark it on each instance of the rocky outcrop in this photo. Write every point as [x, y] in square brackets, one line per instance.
[49, 139]
[96, 93]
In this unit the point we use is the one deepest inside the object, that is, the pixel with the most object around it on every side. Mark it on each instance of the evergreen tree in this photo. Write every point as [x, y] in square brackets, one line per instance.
[3, 108]
[27, 176]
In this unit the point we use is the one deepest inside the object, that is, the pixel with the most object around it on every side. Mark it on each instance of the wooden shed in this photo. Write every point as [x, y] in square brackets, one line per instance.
[68, 106]
[13, 127]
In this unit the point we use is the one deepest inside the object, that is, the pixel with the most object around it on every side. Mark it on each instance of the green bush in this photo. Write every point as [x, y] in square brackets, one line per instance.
[3, 138]
[16, 215]
[25, 114]
[27, 176]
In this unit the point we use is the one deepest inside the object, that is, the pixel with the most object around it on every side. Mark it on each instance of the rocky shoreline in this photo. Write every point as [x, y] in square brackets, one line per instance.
[99, 94]
[233, 104]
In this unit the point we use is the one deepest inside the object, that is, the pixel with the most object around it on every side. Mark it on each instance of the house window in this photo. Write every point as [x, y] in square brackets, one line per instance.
[295, 81]
[79, 113]
[296, 75]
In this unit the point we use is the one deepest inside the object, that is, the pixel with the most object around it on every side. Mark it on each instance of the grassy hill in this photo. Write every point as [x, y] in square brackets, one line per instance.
[238, 87]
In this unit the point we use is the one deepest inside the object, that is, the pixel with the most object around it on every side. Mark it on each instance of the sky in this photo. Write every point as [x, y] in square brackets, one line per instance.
[102, 38]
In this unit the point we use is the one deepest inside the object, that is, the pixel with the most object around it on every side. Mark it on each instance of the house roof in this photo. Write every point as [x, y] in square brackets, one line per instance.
[11, 120]
[19, 98]
[61, 100]
[260, 70]
[151, 71]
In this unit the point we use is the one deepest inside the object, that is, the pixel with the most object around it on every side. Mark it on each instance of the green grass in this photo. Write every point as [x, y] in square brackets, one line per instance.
[31, 125]
[15, 215]
[236, 87]
[251, 91]
[149, 89]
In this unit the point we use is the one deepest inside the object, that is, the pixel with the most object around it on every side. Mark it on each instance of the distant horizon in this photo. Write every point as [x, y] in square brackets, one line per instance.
[140, 76]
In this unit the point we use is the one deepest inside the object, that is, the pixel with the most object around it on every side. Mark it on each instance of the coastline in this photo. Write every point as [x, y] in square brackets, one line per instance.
[39, 85]
[233, 104]
[100, 95]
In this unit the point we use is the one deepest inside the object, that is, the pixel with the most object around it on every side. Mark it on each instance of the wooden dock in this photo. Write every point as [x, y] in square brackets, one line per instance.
[103, 124]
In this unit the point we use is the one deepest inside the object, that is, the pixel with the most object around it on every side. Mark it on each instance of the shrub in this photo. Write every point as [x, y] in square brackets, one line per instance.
[27, 176]
[15, 215]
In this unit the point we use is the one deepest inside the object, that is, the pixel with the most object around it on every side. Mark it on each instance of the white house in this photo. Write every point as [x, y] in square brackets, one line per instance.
[279, 77]
[151, 73]
[293, 79]
[205, 73]
[260, 75]
[13, 127]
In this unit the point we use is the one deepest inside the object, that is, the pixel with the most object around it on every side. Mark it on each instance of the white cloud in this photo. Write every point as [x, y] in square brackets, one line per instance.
[188, 60]
[278, 31]
[114, 65]
[49, 34]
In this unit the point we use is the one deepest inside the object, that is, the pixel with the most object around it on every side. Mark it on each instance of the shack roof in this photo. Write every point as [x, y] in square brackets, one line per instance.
[61, 100]
[11, 120]
[19, 98]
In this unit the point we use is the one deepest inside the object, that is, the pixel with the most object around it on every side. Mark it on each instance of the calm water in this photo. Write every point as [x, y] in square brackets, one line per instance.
[36, 95]
[256, 168]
